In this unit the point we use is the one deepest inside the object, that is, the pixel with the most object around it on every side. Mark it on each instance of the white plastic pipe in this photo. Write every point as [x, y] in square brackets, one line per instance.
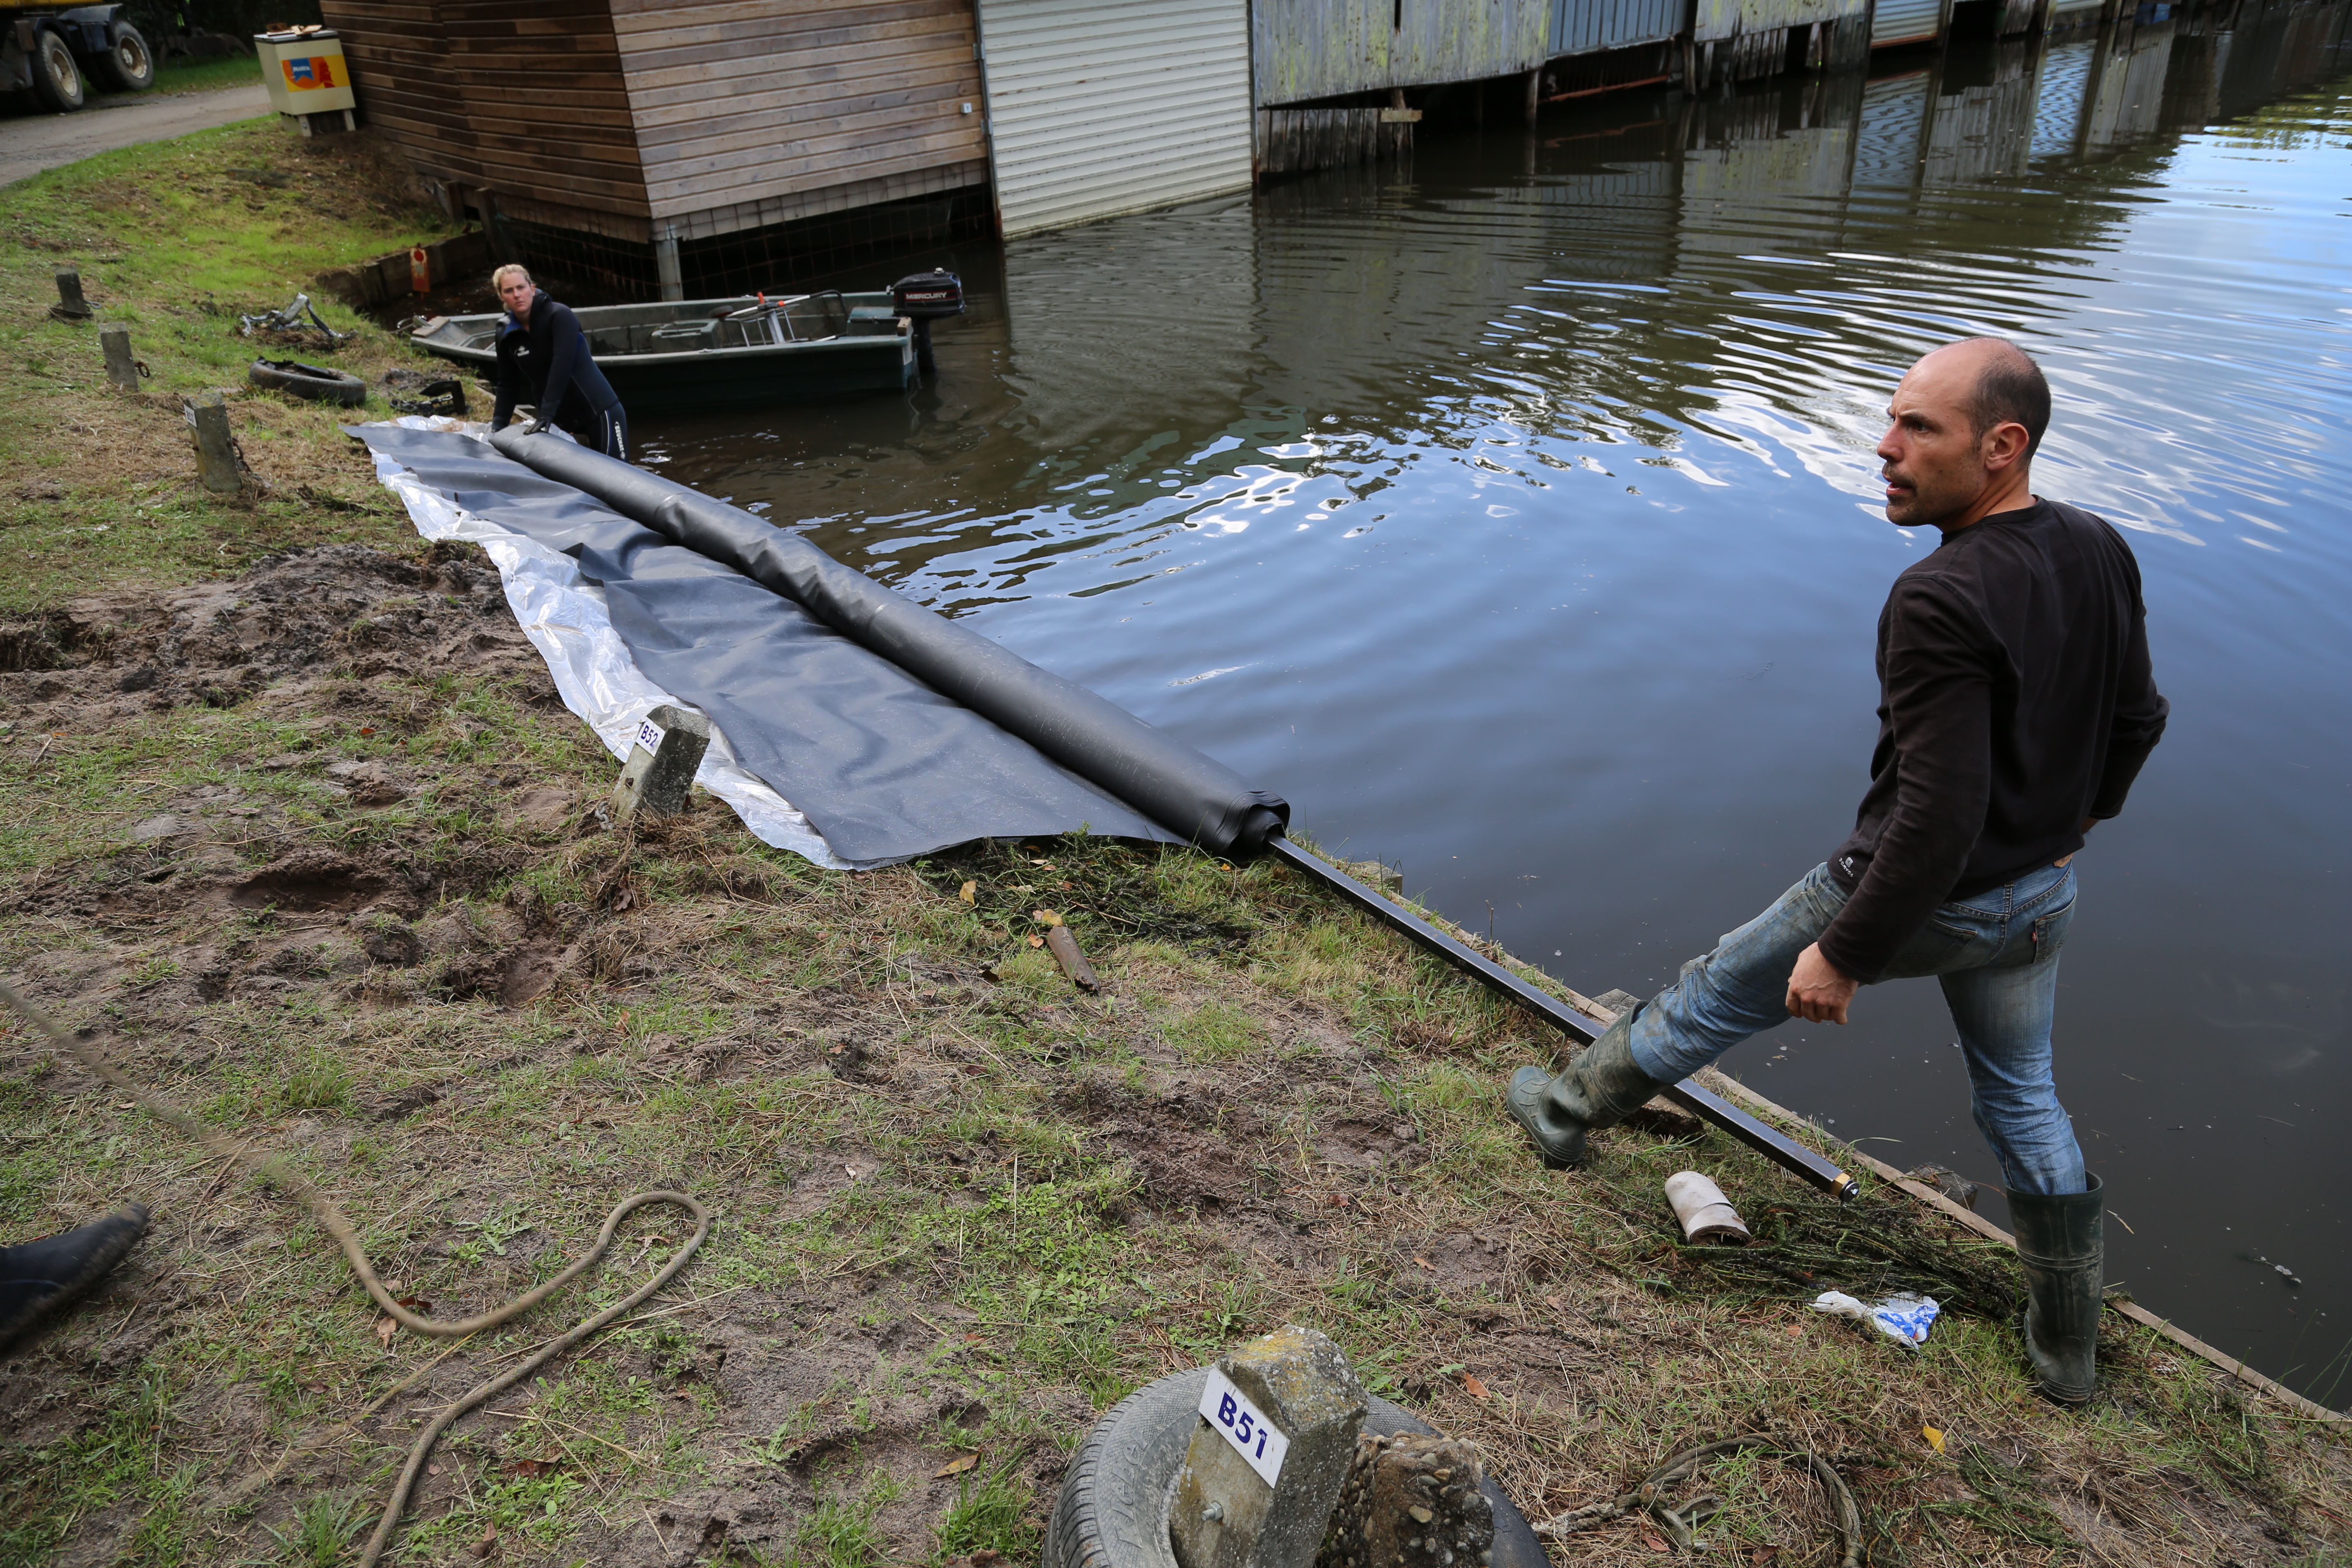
[1707, 1215]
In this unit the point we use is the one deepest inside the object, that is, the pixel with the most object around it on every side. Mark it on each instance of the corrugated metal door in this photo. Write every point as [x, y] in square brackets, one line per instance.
[1899, 21]
[1098, 109]
[1583, 26]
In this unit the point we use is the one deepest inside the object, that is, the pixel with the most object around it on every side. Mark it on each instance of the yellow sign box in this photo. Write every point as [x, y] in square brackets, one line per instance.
[305, 71]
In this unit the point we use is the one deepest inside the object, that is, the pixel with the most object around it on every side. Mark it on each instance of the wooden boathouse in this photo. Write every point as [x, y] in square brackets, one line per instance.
[652, 143]
[703, 146]
[699, 147]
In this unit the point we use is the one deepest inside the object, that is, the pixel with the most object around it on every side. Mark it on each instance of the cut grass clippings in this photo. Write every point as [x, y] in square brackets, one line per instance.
[306, 841]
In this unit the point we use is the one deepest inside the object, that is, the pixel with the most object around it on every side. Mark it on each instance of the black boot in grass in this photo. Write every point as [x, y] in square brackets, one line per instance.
[42, 1277]
[1600, 1088]
[2060, 1244]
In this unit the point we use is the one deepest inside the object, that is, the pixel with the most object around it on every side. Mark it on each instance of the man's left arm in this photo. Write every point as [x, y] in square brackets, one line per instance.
[1939, 705]
[2140, 714]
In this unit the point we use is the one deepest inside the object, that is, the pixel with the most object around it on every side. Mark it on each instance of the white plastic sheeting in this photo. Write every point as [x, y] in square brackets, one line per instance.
[565, 619]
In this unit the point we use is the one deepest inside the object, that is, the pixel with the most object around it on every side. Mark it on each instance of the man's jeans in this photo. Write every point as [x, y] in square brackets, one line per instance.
[1997, 956]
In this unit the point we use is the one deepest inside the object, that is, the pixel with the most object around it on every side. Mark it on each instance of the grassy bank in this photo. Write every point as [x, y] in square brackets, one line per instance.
[175, 241]
[205, 76]
[306, 841]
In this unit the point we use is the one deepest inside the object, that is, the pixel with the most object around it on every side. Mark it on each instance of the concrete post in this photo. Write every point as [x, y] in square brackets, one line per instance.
[121, 368]
[1410, 1499]
[1534, 93]
[673, 279]
[216, 449]
[1277, 1430]
[661, 765]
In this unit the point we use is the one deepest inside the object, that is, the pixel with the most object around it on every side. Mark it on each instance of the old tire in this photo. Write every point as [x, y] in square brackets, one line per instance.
[1113, 1510]
[128, 65]
[56, 81]
[319, 383]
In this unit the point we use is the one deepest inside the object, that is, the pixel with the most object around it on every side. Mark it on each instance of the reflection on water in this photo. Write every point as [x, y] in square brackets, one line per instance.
[1512, 512]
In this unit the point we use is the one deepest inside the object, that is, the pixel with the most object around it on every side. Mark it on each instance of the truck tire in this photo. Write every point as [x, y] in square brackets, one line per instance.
[1113, 1509]
[128, 65]
[318, 382]
[56, 81]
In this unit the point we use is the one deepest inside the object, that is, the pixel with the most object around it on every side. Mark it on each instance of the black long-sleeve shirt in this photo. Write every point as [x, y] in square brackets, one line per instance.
[547, 364]
[2015, 701]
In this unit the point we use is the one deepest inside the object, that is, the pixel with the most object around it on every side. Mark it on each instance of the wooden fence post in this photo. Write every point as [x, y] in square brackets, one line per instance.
[215, 451]
[121, 368]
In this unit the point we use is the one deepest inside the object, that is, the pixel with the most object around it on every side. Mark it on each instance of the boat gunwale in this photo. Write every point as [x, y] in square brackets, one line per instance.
[432, 343]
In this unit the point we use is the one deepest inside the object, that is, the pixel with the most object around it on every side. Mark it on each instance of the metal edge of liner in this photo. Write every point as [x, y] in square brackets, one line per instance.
[1808, 1164]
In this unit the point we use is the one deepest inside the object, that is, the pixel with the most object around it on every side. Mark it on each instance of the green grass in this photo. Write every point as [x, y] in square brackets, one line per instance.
[991, 1513]
[174, 239]
[207, 75]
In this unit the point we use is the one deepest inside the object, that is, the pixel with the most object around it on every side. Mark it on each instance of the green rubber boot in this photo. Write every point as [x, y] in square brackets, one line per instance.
[1600, 1088]
[2060, 1244]
[41, 1277]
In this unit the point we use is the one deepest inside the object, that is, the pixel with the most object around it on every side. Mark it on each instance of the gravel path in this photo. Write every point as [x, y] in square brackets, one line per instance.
[32, 142]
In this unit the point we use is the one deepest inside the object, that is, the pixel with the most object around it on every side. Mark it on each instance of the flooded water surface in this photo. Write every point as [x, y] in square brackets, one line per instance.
[1512, 512]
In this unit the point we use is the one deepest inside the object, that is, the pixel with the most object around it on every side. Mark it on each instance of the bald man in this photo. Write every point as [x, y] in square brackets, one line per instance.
[2016, 706]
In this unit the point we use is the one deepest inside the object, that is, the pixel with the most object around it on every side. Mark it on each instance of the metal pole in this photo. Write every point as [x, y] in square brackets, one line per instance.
[673, 278]
[924, 364]
[1791, 1156]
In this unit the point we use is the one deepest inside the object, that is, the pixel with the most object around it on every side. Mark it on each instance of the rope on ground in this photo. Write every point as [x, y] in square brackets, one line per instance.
[1647, 1498]
[269, 1166]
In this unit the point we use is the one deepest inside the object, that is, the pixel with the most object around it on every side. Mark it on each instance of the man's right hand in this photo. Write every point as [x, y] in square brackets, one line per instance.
[1818, 990]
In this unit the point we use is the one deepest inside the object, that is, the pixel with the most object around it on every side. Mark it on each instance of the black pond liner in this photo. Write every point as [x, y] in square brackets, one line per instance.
[895, 730]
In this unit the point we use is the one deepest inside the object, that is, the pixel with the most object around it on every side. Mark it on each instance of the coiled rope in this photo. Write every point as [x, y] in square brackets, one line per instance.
[266, 1165]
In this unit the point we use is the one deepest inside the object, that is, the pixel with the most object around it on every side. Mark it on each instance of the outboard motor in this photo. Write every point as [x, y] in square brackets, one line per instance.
[928, 296]
[924, 298]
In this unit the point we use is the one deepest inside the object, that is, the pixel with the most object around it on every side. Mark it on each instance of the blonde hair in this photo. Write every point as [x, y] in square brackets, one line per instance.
[499, 278]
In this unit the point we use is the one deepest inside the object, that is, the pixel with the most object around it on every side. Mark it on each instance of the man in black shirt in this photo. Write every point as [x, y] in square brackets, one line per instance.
[544, 361]
[2016, 708]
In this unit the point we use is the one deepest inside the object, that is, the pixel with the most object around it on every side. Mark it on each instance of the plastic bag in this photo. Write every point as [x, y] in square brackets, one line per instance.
[1905, 1317]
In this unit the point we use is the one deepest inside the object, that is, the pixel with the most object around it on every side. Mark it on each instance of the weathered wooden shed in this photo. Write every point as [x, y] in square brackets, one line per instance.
[690, 144]
[1733, 40]
[1310, 50]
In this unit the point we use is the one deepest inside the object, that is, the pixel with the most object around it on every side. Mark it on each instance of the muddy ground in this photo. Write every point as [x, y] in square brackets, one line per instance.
[316, 852]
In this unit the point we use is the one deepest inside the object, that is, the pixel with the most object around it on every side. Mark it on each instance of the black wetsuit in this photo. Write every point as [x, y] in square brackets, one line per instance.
[546, 364]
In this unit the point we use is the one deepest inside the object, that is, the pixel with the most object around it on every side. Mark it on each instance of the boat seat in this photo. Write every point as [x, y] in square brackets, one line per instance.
[684, 335]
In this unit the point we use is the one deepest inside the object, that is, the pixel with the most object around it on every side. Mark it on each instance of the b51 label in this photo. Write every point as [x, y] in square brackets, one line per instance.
[1232, 1417]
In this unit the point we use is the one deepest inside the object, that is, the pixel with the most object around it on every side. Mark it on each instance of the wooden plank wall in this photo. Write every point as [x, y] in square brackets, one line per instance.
[1306, 49]
[545, 97]
[741, 101]
[1716, 20]
[1296, 140]
[399, 63]
[523, 98]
